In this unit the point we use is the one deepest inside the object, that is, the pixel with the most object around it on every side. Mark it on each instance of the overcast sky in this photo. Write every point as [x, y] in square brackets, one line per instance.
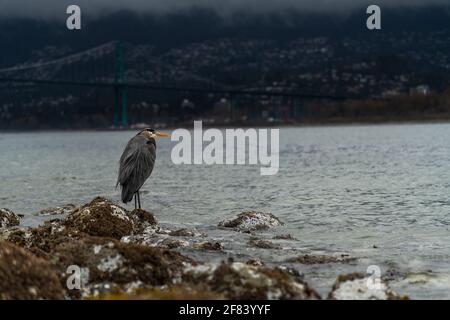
[42, 9]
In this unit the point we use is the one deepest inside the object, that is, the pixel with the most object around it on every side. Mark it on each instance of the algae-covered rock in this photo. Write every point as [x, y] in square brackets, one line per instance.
[208, 245]
[141, 220]
[284, 237]
[238, 280]
[110, 264]
[320, 259]
[8, 218]
[152, 236]
[157, 236]
[102, 218]
[171, 292]
[185, 233]
[42, 239]
[356, 286]
[255, 262]
[251, 221]
[23, 276]
[173, 243]
[263, 244]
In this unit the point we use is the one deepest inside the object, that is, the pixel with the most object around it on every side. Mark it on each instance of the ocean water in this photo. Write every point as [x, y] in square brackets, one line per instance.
[380, 193]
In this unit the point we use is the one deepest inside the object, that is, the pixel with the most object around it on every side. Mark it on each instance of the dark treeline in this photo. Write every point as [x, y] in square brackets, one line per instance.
[244, 111]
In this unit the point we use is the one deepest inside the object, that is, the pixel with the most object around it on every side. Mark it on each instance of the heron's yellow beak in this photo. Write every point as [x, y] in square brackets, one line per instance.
[160, 134]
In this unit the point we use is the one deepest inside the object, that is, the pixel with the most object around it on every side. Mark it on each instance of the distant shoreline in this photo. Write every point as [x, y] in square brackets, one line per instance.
[333, 123]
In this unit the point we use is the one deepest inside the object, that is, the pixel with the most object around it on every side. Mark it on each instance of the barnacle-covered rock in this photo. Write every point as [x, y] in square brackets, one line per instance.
[110, 265]
[284, 237]
[263, 244]
[255, 262]
[238, 280]
[23, 276]
[208, 245]
[102, 218]
[356, 286]
[320, 259]
[173, 243]
[172, 292]
[251, 221]
[8, 218]
[158, 236]
[185, 233]
[42, 239]
[54, 211]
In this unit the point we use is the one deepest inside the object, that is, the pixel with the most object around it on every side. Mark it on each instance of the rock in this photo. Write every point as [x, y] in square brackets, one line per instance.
[157, 236]
[53, 211]
[101, 218]
[255, 262]
[297, 275]
[142, 220]
[173, 243]
[42, 239]
[421, 279]
[208, 245]
[251, 221]
[8, 218]
[283, 237]
[23, 276]
[151, 236]
[263, 244]
[110, 265]
[172, 292]
[238, 280]
[185, 233]
[319, 259]
[354, 286]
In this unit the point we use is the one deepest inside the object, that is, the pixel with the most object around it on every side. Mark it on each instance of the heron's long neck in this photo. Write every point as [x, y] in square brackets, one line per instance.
[151, 141]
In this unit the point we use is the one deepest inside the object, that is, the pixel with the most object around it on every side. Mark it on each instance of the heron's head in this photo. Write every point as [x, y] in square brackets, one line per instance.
[152, 133]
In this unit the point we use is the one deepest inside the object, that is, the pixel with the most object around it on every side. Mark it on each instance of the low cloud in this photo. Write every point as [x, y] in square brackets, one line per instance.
[43, 9]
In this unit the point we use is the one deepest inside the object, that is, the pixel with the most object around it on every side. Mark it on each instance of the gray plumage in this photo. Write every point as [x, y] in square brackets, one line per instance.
[136, 164]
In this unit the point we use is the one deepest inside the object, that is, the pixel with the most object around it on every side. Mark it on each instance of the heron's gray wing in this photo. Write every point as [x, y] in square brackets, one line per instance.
[136, 165]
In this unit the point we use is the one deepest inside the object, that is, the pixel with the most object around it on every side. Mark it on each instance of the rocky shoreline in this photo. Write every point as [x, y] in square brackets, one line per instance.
[122, 254]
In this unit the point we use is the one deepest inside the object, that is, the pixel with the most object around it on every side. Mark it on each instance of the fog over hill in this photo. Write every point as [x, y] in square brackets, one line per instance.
[19, 36]
[52, 9]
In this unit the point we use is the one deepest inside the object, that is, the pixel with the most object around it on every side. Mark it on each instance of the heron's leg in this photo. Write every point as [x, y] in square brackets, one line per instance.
[135, 201]
[139, 199]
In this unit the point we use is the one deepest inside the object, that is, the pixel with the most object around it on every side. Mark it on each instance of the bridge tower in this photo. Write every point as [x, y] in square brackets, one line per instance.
[120, 91]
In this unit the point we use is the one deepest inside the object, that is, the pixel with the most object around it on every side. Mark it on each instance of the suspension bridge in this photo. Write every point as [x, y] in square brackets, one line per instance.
[104, 67]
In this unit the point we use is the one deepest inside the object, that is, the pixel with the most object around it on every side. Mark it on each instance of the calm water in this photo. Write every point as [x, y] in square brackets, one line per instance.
[339, 190]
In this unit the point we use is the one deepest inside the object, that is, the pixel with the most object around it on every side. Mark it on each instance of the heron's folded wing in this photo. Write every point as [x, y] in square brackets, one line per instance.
[136, 163]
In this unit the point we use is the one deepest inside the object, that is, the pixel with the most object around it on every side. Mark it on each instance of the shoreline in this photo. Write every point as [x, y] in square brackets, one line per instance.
[128, 254]
[312, 124]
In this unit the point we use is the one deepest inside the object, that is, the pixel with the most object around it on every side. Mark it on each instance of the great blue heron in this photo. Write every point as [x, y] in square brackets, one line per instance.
[136, 164]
